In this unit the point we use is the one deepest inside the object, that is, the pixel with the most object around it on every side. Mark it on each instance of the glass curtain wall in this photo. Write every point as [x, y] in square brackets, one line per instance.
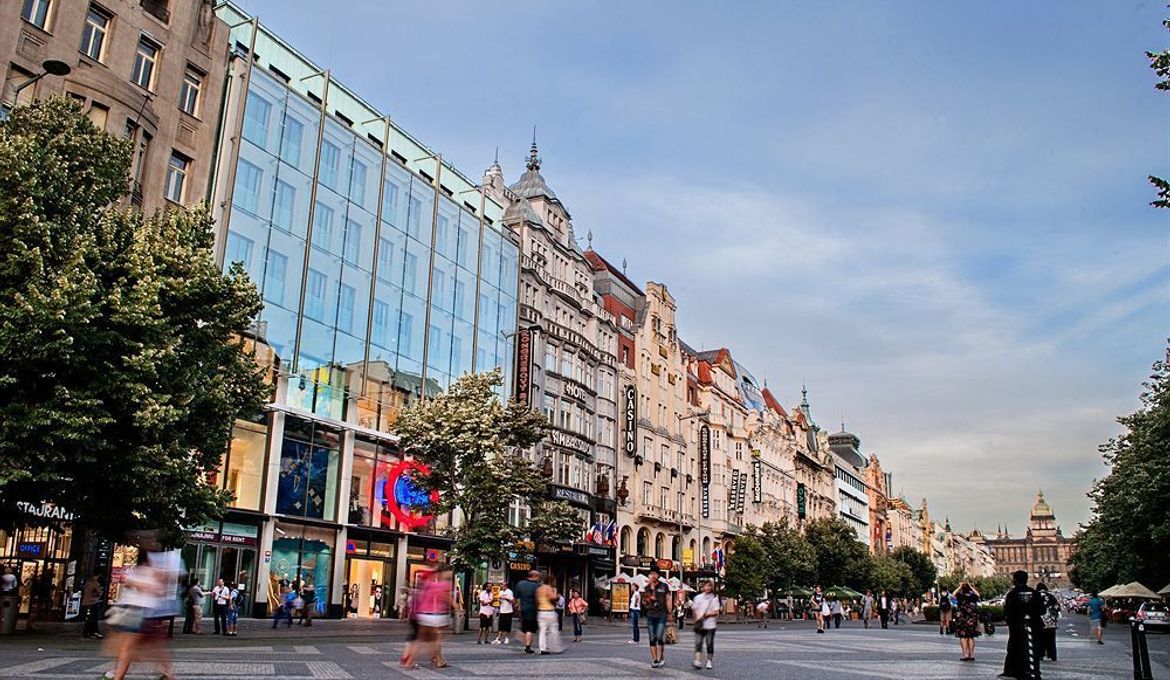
[354, 297]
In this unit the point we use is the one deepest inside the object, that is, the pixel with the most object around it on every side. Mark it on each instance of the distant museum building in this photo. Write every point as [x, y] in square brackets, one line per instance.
[1044, 551]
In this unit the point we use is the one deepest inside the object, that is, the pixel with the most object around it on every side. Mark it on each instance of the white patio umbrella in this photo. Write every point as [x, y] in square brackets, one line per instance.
[1135, 590]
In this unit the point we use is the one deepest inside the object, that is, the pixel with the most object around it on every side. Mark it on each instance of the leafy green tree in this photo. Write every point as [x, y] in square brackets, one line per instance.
[791, 558]
[554, 522]
[746, 569]
[473, 443]
[1160, 62]
[842, 560]
[893, 576]
[922, 570]
[121, 364]
[1128, 537]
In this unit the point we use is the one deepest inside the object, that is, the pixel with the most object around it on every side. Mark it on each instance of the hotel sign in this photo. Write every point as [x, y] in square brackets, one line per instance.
[524, 367]
[630, 418]
[569, 440]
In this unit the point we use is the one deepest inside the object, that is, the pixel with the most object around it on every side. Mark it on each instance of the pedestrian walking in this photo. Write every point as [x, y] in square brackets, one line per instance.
[308, 604]
[578, 608]
[867, 608]
[705, 612]
[883, 604]
[220, 595]
[412, 634]
[434, 613]
[762, 612]
[193, 622]
[504, 624]
[966, 619]
[549, 639]
[40, 598]
[895, 607]
[820, 607]
[403, 604]
[606, 607]
[235, 601]
[91, 605]
[944, 612]
[1097, 617]
[835, 611]
[526, 593]
[487, 611]
[1051, 619]
[286, 601]
[145, 603]
[1022, 609]
[560, 608]
[656, 603]
[635, 614]
[681, 605]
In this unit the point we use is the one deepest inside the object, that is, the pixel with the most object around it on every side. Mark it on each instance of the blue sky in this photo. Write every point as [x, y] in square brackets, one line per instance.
[935, 215]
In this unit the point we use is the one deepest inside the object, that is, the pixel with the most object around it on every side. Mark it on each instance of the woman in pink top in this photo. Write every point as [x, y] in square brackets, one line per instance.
[577, 607]
[434, 613]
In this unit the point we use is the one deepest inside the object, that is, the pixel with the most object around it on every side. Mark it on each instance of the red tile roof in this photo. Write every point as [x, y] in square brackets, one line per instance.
[773, 404]
[599, 263]
[705, 373]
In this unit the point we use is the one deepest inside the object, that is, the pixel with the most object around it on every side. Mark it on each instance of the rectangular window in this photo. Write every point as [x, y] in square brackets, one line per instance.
[274, 277]
[176, 184]
[290, 144]
[315, 296]
[411, 264]
[389, 202]
[405, 328]
[414, 219]
[239, 249]
[385, 259]
[330, 159]
[247, 195]
[36, 12]
[345, 309]
[144, 63]
[256, 114]
[190, 91]
[282, 211]
[93, 37]
[647, 494]
[381, 330]
[323, 227]
[357, 184]
[353, 240]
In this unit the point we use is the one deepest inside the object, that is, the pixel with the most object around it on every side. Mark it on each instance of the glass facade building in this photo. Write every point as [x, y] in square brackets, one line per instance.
[385, 274]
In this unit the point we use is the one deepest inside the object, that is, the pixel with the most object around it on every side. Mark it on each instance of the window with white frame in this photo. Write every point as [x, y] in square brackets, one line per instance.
[176, 185]
[190, 92]
[145, 60]
[37, 12]
[647, 494]
[93, 37]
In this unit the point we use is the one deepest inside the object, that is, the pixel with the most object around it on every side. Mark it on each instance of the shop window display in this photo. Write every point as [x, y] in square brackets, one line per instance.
[301, 555]
[243, 469]
[309, 468]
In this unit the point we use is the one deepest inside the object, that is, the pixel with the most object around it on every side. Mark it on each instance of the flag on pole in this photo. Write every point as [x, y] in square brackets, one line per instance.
[594, 533]
[611, 533]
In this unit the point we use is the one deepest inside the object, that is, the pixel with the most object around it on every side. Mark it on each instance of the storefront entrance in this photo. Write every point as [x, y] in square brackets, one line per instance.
[228, 552]
[41, 558]
[369, 579]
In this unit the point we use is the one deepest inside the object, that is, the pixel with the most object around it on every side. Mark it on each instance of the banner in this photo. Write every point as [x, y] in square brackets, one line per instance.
[706, 503]
[742, 492]
[801, 500]
[630, 420]
[705, 456]
[733, 497]
[524, 367]
[757, 481]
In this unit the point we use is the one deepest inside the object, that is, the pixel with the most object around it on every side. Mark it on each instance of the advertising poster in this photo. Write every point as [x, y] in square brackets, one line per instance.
[620, 597]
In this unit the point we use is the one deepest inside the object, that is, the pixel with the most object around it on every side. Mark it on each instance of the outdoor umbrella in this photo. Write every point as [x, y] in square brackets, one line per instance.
[795, 591]
[842, 592]
[1108, 591]
[1165, 591]
[1135, 590]
[621, 578]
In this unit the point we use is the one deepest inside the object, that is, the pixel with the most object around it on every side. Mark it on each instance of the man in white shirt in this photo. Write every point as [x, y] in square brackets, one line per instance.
[507, 607]
[635, 613]
[221, 595]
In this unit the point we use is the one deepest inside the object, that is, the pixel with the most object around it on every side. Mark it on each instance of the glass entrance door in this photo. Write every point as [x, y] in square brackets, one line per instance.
[367, 594]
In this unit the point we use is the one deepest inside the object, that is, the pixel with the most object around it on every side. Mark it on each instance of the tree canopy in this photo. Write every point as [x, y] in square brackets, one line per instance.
[1128, 537]
[122, 367]
[472, 443]
[922, 569]
[842, 560]
[747, 568]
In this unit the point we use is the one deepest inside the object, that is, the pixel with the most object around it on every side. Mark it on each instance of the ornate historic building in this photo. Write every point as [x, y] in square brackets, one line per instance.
[1043, 551]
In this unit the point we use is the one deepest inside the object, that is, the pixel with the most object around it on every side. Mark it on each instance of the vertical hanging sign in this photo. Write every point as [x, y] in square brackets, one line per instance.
[757, 481]
[733, 499]
[742, 492]
[630, 420]
[524, 367]
[705, 468]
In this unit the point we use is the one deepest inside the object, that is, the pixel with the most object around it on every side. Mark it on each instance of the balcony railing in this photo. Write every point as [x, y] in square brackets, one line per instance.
[157, 9]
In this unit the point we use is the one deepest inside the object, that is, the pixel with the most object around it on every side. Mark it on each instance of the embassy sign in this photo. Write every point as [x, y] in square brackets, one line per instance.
[630, 420]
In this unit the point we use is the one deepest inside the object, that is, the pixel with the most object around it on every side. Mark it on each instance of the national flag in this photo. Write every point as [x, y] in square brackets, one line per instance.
[611, 533]
[594, 533]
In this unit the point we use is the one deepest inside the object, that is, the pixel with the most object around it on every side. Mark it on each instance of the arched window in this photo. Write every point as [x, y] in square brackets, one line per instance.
[625, 541]
[706, 554]
[675, 548]
[660, 545]
[643, 541]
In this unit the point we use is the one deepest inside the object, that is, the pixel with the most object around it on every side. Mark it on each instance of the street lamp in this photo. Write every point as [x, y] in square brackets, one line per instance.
[699, 517]
[50, 67]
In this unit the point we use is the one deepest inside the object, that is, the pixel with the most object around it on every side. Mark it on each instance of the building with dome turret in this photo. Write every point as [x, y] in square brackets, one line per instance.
[1044, 551]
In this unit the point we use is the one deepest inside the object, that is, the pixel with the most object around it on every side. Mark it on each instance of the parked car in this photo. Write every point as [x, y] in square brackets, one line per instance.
[1155, 615]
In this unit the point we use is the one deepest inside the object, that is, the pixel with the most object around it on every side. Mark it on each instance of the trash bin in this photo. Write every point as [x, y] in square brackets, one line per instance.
[9, 608]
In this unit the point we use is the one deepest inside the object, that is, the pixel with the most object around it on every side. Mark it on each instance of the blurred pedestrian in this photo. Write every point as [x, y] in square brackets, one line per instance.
[434, 614]
[147, 601]
[578, 608]
[412, 635]
[526, 594]
[1051, 618]
[944, 612]
[403, 603]
[308, 603]
[91, 606]
[820, 607]
[1096, 607]
[40, 598]
[285, 599]
[705, 611]
[762, 613]
[549, 639]
[867, 608]
[966, 619]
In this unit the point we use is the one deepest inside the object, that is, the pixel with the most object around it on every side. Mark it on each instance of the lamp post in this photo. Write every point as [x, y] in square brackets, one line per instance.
[50, 67]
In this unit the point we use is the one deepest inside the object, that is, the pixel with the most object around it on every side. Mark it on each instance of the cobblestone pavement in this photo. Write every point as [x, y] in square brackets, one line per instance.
[792, 650]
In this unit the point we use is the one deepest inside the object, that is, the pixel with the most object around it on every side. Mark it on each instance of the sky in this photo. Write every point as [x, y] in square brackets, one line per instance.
[935, 215]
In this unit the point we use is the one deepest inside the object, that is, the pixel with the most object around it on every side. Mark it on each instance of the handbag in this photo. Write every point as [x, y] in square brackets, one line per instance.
[125, 618]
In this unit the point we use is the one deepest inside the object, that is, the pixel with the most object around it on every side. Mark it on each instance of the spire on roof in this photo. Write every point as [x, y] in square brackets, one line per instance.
[623, 266]
[533, 156]
[589, 238]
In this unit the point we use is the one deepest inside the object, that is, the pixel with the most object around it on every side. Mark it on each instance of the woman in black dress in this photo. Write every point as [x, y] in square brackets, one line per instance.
[966, 621]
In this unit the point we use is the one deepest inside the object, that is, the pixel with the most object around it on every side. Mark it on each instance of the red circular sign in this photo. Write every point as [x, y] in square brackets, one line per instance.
[407, 501]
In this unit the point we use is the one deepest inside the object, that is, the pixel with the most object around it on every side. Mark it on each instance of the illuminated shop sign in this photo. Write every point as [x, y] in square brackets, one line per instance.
[630, 419]
[406, 500]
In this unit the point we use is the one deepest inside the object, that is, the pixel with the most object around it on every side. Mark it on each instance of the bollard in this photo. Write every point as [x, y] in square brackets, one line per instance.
[1141, 653]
